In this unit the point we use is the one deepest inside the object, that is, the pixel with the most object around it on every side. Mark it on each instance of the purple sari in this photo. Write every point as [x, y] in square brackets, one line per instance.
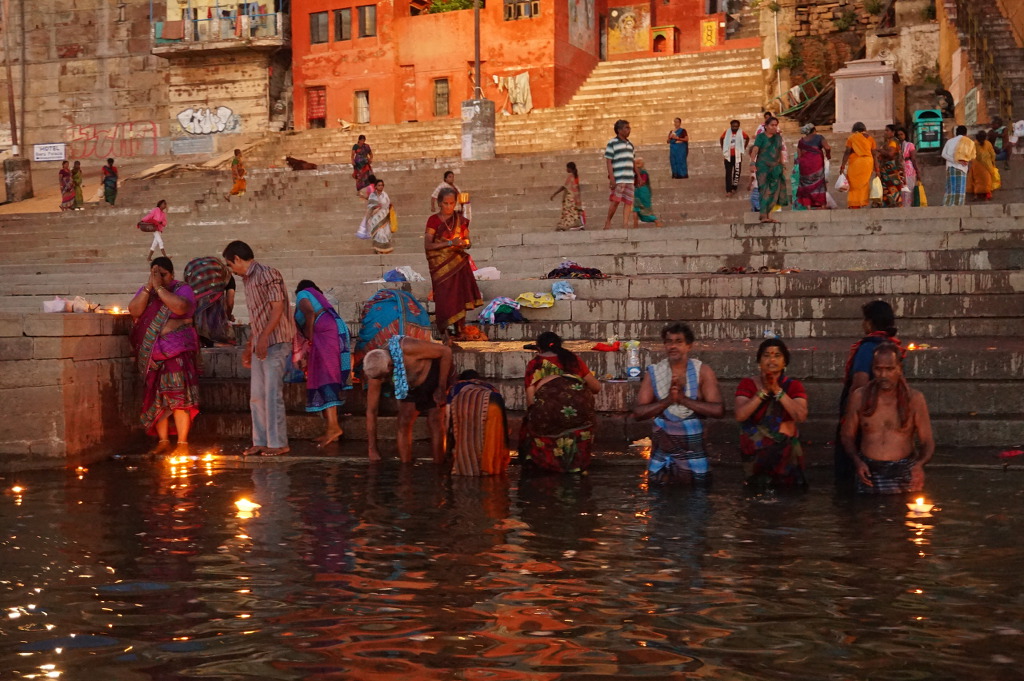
[328, 353]
[167, 363]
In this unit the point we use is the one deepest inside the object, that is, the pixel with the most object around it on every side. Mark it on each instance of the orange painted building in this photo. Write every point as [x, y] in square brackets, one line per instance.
[384, 62]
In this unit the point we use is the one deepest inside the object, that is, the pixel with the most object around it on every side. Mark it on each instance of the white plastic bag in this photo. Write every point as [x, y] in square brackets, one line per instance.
[80, 304]
[488, 274]
[55, 305]
[410, 273]
[876, 189]
[842, 184]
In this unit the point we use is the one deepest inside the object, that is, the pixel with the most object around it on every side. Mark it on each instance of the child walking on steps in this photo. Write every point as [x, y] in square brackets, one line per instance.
[155, 222]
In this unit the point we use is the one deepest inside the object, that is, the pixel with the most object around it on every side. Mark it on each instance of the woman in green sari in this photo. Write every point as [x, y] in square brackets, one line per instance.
[642, 207]
[769, 164]
[76, 180]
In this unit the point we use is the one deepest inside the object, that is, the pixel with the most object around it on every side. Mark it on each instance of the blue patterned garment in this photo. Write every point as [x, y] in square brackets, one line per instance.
[400, 380]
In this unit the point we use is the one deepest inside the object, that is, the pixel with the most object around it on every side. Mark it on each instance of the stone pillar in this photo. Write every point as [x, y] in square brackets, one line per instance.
[477, 130]
[18, 179]
[864, 92]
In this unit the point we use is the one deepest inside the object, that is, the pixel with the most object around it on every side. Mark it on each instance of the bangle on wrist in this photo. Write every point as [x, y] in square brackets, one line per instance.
[762, 395]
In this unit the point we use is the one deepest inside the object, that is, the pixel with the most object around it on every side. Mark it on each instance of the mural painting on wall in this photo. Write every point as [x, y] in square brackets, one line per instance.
[208, 121]
[582, 24]
[629, 29]
[120, 140]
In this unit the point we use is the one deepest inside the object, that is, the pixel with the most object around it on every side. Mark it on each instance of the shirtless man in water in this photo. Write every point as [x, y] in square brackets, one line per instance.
[889, 415]
[420, 370]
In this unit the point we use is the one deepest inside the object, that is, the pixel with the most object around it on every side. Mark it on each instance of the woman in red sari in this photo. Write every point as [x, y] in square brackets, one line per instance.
[67, 188]
[167, 348]
[455, 291]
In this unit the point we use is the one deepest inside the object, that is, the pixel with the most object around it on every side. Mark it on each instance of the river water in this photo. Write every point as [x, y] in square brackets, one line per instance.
[138, 570]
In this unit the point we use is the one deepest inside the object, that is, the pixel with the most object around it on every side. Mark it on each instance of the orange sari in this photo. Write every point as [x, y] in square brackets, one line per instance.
[859, 168]
[981, 173]
[455, 289]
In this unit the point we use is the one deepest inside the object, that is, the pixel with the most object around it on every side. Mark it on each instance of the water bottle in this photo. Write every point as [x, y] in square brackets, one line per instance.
[633, 360]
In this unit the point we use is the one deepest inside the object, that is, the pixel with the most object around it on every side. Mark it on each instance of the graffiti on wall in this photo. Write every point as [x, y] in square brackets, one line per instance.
[629, 29]
[582, 24]
[120, 140]
[209, 121]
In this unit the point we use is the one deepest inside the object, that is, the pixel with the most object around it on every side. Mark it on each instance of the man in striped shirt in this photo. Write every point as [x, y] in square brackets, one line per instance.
[270, 344]
[618, 156]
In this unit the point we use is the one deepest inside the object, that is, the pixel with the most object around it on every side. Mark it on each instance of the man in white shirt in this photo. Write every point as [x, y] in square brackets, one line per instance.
[958, 153]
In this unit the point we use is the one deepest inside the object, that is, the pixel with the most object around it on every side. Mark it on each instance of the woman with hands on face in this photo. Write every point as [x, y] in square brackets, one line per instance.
[167, 347]
[768, 409]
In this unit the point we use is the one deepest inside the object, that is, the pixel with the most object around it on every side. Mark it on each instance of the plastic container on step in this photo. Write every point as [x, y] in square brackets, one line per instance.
[633, 369]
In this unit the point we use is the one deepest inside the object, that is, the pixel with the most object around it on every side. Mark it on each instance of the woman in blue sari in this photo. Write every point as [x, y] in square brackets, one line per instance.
[678, 150]
[327, 357]
[110, 182]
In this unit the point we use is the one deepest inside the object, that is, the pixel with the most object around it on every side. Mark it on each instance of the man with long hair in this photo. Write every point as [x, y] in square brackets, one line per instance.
[894, 427]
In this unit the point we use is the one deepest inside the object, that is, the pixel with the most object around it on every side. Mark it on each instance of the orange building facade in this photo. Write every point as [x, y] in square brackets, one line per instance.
[387, 62]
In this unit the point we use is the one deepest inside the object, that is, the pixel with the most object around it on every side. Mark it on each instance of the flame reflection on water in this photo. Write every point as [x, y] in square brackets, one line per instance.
[349, 572]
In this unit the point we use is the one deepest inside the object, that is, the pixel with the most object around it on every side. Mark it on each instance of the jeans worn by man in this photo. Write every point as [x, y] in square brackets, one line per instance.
[266, 397]
[266, 353]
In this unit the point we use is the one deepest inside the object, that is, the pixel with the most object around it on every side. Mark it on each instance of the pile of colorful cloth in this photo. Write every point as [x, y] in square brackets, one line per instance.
[572, 270]
[501, 311]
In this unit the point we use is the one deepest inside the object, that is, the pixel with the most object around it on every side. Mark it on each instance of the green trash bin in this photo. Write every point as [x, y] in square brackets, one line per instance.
[928, 132]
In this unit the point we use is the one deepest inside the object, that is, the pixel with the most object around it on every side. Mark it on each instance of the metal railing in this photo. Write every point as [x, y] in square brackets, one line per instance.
[219, 28]
[996, 89]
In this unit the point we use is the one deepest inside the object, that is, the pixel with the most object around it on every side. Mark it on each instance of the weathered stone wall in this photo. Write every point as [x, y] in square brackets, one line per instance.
[954, 65]
[89, 77]
[67, 388]
[825, 17]
[231, 90]
[813, 37]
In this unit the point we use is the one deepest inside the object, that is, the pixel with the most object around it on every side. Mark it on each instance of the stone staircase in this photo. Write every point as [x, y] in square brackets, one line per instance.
[648, 92]
[743, 20]
[996, 46]
[954, 276]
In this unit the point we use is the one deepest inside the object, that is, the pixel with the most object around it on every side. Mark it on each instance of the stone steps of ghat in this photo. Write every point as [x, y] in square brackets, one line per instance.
[119, 278]
[718, 317]
[647, 90]
[986, 237]
[330, 190]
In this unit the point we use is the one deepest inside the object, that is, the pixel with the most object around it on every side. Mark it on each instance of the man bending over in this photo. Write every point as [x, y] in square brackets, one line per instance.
[420, 371]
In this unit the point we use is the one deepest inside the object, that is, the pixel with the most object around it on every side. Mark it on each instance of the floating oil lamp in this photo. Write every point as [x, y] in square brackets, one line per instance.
[919, 509]
[246, 508]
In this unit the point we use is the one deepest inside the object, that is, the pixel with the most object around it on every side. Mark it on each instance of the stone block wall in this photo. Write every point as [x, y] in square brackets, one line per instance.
[68, 389]
[88, 77]
[824, 17]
